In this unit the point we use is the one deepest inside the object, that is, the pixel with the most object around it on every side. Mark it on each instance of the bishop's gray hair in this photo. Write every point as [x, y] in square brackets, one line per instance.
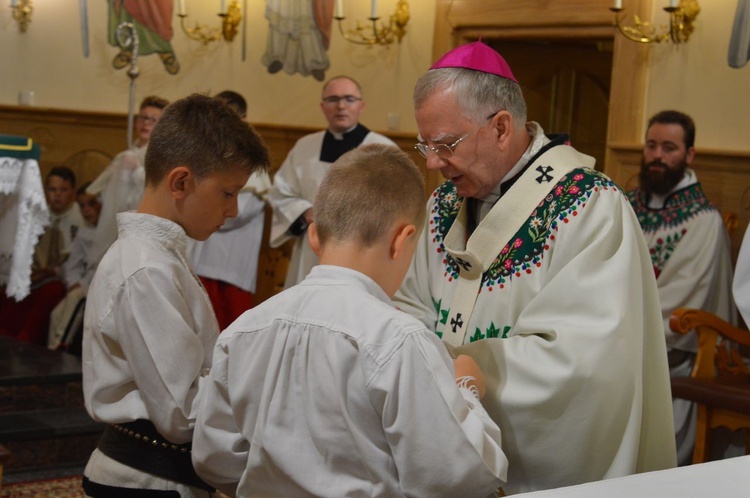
[478, 94]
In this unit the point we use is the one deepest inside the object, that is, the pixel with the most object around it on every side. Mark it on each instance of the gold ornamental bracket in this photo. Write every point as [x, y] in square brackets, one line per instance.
[682, 14]
[231, 16]
[22, 10]
[383, 34]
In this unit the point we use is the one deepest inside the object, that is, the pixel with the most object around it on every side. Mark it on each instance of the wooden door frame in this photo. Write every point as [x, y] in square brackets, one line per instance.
[461, 21]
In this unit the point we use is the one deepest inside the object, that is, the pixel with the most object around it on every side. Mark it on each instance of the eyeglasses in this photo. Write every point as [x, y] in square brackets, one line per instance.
[444, 151]
[347, 99]
[147, 119]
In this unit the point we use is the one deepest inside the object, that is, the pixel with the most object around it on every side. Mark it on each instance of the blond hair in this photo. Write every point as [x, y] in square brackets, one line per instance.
[366, 193]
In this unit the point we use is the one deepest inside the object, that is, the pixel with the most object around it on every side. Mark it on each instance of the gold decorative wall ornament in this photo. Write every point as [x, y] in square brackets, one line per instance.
[682, 14]
[22, 10]
[231, 16]
[374, 35]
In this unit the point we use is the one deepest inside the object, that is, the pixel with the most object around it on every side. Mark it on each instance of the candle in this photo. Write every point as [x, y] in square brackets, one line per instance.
[618, 4]
[223, 9]
[673, 3]
[339, 9]
[374, 12]
[13, 3]
[181, 8]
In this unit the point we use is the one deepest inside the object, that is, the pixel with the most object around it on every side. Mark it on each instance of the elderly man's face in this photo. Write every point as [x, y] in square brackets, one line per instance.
[474, 168]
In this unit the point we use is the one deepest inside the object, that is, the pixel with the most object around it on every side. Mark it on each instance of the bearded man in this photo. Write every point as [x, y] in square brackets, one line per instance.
[689, 247]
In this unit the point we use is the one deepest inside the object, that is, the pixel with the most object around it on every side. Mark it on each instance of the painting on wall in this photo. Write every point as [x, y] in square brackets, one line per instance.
[152, 20]
[298, 37]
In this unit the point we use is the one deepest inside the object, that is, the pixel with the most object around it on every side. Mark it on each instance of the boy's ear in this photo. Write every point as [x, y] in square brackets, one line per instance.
[400, 239]
[312, 238]
[180, 181]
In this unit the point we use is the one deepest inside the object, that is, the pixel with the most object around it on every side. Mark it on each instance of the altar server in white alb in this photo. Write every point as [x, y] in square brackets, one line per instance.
[326, 389]
[689, 247]
[297, 181]
[149, 329]
[533, 263]
[741, 282]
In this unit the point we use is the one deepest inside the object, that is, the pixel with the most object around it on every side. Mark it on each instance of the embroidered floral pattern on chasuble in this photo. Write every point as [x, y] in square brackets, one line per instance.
[525, 251]
[672, 220]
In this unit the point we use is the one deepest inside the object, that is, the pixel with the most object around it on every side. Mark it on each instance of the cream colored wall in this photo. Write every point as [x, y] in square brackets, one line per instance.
[695, 78]
[48, 60]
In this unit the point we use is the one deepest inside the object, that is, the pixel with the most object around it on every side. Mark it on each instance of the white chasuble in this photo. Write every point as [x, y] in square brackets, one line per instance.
[565, 325]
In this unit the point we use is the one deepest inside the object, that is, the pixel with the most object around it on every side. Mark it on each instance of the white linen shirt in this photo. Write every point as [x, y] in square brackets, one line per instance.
[149, 330]
[327, 390]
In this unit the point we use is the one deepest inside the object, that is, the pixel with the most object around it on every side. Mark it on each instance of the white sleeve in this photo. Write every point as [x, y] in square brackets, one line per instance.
[442, 444]
[152, 323]
[286, 198]
[219, 451]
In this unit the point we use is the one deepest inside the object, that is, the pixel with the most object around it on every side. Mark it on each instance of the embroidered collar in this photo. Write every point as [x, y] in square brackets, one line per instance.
[162, 232]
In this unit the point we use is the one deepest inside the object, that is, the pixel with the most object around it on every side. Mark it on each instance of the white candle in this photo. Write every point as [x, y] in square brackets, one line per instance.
[673, 3]
[14, 3]
[374, 12]
[339, 9]
[618, 4]
[223, 9]
[182, 8]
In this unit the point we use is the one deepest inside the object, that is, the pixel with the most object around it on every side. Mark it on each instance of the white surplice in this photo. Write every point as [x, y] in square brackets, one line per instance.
[294, 187]
[327, 390]
[149, 331]
[565, 323]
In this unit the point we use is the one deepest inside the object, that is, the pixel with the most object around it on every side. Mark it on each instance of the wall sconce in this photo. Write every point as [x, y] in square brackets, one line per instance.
[231, 16]
[385, 35]
[682, 14]
[22, 10]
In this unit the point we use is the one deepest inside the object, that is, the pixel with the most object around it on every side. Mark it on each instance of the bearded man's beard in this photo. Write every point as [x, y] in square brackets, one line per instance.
[661, 180]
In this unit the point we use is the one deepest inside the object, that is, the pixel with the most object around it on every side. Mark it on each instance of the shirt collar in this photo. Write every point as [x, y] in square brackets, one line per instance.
[163, 232]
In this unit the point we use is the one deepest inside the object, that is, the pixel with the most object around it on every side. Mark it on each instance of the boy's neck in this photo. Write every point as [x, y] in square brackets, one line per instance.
[372, 261]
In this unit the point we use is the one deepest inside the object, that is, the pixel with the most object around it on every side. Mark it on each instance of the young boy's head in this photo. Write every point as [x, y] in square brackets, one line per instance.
[371, 203]
[89, 205]
[60, 189]
[199, 157]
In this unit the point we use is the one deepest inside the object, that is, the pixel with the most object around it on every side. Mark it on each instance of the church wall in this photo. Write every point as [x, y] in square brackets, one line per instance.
[48, 60]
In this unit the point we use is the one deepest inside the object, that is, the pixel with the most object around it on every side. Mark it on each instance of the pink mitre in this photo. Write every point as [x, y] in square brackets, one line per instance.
[477, 56]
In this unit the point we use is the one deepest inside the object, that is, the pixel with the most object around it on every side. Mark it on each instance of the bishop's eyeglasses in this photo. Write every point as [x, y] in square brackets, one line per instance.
[444, 151]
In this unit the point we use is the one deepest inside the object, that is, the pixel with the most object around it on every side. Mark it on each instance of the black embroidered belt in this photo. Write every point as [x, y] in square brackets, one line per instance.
[139, 445]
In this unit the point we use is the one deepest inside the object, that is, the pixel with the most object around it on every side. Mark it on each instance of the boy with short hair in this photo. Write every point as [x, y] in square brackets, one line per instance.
[326, 388]
[149, 328]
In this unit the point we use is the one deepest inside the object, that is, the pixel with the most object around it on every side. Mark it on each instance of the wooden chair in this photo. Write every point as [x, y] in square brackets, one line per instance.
[720, 381]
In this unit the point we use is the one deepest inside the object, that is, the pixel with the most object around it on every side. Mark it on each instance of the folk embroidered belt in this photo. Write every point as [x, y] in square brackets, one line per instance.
[139, 445]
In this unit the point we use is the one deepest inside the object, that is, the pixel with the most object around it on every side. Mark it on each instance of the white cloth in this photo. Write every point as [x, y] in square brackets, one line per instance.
[23, 216]
[68, 314]
[294, 39]
[327, 390]
[690, 253]
[120, 188]
[231, 254]
[76, 266]
[741, 285]
[149, 330]
[567, 329]
[739, 41]
[692, 260]
[294, 187]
